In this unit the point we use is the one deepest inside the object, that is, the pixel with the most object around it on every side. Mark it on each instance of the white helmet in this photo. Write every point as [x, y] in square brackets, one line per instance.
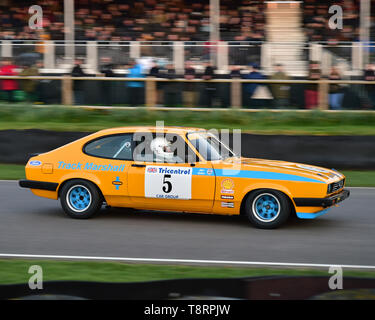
[162, 149]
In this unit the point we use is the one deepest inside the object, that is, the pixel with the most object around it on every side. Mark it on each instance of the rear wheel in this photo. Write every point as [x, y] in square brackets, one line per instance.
[80, 199]
[267, 209]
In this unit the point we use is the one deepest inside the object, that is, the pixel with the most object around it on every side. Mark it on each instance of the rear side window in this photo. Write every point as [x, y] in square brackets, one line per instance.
[111, 147]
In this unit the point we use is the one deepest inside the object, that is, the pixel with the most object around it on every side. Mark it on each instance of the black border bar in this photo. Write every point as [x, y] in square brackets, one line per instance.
[41, 185]
[322, 202]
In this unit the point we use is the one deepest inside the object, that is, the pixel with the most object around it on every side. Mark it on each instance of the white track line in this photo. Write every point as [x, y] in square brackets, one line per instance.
[186, 261]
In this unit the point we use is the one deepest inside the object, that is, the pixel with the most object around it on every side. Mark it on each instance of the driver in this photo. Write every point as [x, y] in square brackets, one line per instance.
[161, 148]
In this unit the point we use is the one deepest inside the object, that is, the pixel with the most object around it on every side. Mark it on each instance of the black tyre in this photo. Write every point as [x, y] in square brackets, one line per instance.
[80, 199]
[267, 209]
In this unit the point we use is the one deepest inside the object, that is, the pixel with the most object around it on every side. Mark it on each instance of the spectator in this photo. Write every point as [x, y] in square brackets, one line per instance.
[106, 70]
[280, 91]
[29, 86]
[172, 92]
[189, 94]
[107, 67]
[209, 89]
[311, 90]
[9, 86]
[335, 92]
[77, 71]
[250, 88]
[154, 70]
[135, 88]
[369, 90]
[155, 73]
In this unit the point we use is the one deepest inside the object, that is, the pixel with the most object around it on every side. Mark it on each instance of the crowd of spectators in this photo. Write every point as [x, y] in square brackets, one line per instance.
[173, 20]
[138, 20]
[190, 93]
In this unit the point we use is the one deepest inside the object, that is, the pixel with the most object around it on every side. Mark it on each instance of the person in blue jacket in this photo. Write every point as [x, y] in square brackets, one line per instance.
[135, 88]
[250, 88]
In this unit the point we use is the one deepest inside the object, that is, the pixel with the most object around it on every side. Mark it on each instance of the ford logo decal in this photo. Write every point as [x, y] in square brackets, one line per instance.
[35, 163]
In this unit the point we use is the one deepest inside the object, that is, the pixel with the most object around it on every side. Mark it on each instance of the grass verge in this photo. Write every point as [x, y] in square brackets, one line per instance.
[21, 116]
[354, 178]
[14, 271]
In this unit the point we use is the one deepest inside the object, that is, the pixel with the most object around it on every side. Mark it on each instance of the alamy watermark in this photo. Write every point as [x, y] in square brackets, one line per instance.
[335, 21]
[335, 282]
[36, 20]
[36, 280]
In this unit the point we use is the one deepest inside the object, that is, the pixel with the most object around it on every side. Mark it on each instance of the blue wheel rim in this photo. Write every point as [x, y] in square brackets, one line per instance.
[79, 198]
[266, 207]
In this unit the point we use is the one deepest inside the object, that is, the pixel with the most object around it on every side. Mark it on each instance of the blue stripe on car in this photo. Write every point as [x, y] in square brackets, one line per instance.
[309, 215]
[254, 175]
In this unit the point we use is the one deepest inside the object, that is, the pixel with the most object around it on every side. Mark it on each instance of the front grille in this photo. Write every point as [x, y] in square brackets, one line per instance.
[335, 186]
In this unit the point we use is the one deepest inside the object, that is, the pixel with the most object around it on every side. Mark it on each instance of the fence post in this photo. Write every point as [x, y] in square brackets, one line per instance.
[49, 54]
[150, 93]
[135, 50]
[357, 61]
[236, 94]
[6, 48]
[67, 90]
[92, 55]
[178, 56]
[323, 94]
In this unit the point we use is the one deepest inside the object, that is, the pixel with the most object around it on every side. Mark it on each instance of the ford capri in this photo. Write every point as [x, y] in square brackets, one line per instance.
[179, 170]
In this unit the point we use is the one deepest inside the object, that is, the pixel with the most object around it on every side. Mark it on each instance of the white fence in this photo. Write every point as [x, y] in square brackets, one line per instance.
[351, 57]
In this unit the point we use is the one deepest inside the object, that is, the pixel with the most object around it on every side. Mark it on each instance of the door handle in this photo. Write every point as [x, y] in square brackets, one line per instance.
[138, 165]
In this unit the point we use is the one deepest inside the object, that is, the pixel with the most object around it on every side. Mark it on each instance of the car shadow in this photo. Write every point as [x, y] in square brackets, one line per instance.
[115, 213]
[235, 220]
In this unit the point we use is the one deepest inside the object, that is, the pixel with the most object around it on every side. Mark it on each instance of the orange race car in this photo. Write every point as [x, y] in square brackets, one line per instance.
[179, 169]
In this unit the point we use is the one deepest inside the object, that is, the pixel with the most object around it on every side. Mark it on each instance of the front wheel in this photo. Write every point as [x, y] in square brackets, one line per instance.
[267, 209]
[80, 199]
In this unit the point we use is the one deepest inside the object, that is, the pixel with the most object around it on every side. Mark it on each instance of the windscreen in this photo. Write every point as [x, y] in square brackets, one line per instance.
[209, 147]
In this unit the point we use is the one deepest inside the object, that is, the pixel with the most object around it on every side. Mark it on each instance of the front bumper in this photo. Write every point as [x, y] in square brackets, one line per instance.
[322, 202]
[40, 185]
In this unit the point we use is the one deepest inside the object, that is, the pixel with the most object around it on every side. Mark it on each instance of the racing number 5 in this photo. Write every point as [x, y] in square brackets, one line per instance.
[167, 185]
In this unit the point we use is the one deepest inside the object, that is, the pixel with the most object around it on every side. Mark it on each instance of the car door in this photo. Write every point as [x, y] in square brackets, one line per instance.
[179, 184]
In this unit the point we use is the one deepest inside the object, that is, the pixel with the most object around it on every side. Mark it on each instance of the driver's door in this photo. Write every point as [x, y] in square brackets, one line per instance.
[182, 186]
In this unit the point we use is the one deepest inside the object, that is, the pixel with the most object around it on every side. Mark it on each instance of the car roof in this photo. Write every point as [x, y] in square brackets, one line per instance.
[171, 129]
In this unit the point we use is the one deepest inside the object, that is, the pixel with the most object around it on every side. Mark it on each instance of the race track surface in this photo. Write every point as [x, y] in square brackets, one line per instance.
[33, 225]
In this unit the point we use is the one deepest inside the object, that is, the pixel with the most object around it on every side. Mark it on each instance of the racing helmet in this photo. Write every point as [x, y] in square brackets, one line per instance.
[161, 148]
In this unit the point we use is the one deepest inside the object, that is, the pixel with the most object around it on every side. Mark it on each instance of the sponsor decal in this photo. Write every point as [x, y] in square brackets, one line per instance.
[227, 205]
[227, 186]
[180, 171]
[226, 197]
[202, 171]
[117, 183]
[35, 163]
[165, 182]
[90, 166]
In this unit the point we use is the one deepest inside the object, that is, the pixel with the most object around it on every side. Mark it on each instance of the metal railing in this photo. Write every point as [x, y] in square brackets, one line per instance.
[354, 55]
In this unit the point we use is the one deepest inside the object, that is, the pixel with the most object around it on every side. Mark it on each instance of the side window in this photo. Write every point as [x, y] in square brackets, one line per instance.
[111, 147]
[168, 148]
